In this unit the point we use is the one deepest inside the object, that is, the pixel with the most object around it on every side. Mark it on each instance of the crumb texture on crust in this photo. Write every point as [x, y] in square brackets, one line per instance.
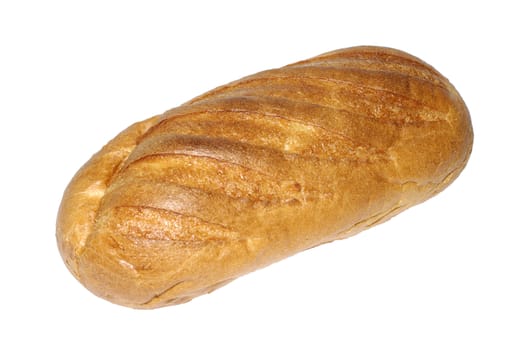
[260, 169]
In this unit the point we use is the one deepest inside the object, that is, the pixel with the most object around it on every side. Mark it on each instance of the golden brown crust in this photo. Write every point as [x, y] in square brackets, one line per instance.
[258, 170]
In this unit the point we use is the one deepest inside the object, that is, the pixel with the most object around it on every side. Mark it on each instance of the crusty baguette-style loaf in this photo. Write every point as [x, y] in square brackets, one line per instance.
[260, 169]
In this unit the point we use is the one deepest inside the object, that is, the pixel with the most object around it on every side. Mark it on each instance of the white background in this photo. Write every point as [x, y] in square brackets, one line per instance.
[447, 274]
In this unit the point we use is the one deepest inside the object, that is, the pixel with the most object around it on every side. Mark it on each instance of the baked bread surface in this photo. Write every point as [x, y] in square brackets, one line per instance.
[260, 169]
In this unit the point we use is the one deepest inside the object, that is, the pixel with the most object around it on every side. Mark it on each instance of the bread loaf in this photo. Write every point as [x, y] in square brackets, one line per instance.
[258, 170]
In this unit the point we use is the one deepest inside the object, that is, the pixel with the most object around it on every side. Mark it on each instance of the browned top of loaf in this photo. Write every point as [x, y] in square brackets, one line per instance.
[259, 169]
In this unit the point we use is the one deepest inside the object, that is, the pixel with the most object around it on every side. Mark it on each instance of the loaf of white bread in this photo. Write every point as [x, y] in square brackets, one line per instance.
[260, 169]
